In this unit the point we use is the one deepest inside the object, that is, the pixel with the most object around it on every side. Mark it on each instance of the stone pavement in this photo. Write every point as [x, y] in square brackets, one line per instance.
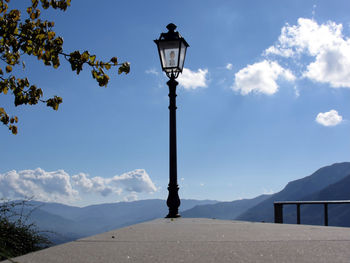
[204, 240]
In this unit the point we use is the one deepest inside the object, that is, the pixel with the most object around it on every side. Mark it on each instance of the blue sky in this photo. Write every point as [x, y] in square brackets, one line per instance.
[263, 100]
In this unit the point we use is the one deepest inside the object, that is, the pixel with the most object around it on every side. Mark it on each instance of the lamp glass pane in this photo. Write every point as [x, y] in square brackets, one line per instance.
[169, 53]
[182, 55]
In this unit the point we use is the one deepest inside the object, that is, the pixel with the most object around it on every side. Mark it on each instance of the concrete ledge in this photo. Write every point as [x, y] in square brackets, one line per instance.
[204, 240]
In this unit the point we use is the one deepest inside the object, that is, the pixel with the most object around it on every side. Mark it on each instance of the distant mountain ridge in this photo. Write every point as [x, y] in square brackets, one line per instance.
[224, 210]
[327, 183]
[338, 215]
[69, 223]
[299, 189]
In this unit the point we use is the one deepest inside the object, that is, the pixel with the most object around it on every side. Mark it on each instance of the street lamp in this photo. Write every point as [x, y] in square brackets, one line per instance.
[172, 51]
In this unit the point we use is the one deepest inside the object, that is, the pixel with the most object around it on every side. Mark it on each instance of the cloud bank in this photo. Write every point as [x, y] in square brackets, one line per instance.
[58, 186]
[330, 118]
[325, 43]
[193, 79]
[45, 186]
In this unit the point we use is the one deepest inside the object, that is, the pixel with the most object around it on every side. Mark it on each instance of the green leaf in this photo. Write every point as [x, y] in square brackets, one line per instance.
[54, 102]
[85, 56]
[125, 67]
[114, 60]
[41, 36]
[32, 16]
[13, 129]
[51, 35]
[92, 58]
[94, 74]
[35, 3]
[103, 80]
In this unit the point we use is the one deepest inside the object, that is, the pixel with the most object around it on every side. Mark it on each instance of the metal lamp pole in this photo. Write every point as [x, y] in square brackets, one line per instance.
[172, 52]
[173, 200]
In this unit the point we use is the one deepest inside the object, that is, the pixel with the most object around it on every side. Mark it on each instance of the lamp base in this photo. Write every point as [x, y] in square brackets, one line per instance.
[173, 216]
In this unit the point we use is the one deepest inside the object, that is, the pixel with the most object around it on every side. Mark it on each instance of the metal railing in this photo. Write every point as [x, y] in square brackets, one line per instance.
[278, 206]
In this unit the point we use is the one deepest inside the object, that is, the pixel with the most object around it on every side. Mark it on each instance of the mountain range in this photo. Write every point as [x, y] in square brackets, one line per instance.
[224, 210]
[327, 183]
[66, 223]
[63, 223]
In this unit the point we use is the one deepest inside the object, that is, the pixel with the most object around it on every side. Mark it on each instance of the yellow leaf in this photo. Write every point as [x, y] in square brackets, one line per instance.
[107, 66]
[85, 56]
[92, 58]
[14, 129]
[51, 35]
[8, 69]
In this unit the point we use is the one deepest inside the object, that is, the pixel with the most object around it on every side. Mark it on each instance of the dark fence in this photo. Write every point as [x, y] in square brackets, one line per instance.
[279, 208]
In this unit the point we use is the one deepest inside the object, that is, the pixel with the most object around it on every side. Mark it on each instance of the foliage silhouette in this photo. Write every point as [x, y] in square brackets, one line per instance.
[35, 37]
[17, 236]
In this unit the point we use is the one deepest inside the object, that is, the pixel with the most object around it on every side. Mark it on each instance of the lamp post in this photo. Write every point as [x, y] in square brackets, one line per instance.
[172, 51]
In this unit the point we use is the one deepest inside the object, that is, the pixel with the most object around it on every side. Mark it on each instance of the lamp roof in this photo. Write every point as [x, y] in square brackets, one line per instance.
[171, 35]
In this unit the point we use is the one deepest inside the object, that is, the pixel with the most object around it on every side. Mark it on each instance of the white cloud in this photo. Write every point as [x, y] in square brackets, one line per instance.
[152, 71]
[96, 184]
[324, 42]
[296, 92]
[39, 184]
[193, 80]
[278, 51]
[330, 118]
[307, 37]
[331, 66]
[314, 10]
[58, 186]
[131, 197]
[229, 66]
[267, 192]
[135, 181]
[261, 77]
